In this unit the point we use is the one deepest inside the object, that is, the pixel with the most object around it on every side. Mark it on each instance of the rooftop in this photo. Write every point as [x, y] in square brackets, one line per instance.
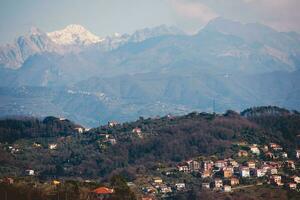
[103, 190]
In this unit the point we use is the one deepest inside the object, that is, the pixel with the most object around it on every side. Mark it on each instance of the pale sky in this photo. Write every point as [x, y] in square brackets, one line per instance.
[104, 17]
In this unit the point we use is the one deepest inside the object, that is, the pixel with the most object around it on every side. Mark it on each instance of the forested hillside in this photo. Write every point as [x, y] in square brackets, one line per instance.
[106, 150]
[12, 129]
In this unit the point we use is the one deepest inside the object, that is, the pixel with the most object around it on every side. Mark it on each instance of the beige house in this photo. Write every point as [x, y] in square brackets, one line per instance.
[218, 183]
[296, 179]
[227, 188]
[259, 172]
[251, 164]
[157, 180]
[206, 173]
[292, 186]
[234, 181]
[276, 179]
[227, 172]
[254, 149]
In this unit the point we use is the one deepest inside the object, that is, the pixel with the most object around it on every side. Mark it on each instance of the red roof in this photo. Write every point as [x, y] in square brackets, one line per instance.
[103, 190]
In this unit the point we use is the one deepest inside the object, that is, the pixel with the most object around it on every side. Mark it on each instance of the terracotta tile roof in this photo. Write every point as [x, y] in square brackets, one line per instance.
[103, 190]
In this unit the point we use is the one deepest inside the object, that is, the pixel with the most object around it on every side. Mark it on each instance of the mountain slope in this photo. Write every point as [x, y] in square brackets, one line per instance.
[283, 46]
[72, 39]
[159, 71]
[13, 56]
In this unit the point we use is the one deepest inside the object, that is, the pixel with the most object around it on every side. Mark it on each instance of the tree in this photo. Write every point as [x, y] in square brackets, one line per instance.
[122, 191]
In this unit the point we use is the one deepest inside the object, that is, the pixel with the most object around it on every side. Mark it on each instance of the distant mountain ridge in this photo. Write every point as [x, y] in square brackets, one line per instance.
[35, 41]
[73, 38]
[154, 72]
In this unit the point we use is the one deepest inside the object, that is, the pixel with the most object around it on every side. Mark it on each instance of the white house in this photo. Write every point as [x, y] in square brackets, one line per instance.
[254, 149]
[208, 165]
[298, 153]
[276, 179]
[292, 186]
[284, 155]
[52, 146]
[180, 186]
[193, 165]
[234, 163]
[290, 164]
[276, 147]
[30, 172]
[112, 123]
[227, 188]
[218, 183]
[137, 130]
[220, 163]
[182, 168]
[259, 172]
[165, 189]
[273, 170]
[112, 141]
[79, 129]
[205, 185]
[245, 172]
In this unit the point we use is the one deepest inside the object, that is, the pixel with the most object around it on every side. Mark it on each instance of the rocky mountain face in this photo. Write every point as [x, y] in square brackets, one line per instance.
[155, 71]
[72, 39]
[34, 42]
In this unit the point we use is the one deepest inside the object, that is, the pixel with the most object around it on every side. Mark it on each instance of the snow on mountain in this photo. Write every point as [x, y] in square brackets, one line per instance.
[116, 40]
[73, 38]
[74, 35]
[35, 41]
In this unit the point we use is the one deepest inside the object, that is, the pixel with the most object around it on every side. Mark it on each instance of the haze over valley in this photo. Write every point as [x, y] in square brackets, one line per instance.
[91, 79]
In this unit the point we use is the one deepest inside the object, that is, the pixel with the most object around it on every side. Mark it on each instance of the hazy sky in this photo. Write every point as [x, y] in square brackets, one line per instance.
[104, 17]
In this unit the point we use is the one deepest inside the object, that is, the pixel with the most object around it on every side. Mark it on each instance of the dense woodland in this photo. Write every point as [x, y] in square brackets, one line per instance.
[32, 189]
[12, 129]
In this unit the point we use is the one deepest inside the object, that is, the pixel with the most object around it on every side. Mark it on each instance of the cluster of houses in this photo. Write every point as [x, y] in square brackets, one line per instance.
[158, 186]
[253, 165]
[14, 149]
[226, 174]
[108, 139]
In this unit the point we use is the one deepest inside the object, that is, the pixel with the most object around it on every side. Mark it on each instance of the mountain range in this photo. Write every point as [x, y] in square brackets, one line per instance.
[154, 71]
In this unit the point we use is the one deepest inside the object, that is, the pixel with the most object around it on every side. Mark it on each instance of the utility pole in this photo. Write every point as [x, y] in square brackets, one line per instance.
[214, 106]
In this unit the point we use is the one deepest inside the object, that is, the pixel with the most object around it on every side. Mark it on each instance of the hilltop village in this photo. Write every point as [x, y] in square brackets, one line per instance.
[252, 165]
[183, 157]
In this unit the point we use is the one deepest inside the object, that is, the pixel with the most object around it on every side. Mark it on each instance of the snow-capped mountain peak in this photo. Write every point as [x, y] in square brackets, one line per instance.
[74, 35]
